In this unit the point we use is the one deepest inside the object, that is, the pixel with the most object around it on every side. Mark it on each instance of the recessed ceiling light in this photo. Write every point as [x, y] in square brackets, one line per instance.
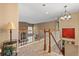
[43, 4]
[46, 12]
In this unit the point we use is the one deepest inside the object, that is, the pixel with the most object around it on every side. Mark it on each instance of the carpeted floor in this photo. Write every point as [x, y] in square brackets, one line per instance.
[35, 49]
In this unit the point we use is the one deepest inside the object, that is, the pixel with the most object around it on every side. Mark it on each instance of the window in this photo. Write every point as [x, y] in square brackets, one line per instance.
[30, 32]
[30, 28]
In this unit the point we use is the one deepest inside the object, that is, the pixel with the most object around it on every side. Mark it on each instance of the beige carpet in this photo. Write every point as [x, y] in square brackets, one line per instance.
[35, 49]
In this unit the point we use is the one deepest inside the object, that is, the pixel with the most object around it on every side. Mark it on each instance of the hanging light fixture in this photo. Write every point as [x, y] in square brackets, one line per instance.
[67, 15]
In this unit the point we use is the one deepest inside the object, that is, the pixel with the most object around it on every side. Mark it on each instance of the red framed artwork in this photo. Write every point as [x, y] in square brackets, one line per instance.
[68, 33]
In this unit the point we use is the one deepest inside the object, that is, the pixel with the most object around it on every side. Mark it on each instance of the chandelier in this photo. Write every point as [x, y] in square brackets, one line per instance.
[67, 15]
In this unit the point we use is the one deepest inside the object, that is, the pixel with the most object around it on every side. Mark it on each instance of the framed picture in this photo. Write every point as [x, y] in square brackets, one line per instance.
[68, 33]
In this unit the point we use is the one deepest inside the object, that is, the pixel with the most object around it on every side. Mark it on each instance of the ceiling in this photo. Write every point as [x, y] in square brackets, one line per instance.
[36, 13]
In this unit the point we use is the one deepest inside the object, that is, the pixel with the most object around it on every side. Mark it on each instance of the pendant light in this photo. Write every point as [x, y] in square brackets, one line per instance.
[67, 15]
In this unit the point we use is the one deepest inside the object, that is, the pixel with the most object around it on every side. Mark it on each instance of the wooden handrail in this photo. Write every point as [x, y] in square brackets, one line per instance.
[49, 42]
[50, 34]
[44, 40]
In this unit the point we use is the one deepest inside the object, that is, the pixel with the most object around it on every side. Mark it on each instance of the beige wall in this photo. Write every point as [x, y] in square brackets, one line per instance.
[71, 50]
[23, 27]
[47, 25]
[8, 13]
[73, 23]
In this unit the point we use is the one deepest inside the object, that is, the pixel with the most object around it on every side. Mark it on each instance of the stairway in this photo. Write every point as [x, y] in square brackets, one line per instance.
[54, 41]
[58, 40]
[37, 48]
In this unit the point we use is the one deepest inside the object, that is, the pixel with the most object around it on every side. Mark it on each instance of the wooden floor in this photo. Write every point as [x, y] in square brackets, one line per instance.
[35, 49]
